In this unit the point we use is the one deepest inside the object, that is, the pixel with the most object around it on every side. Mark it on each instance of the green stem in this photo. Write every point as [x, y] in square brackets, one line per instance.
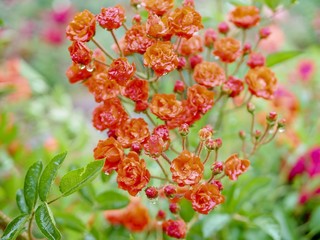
[207, 157]
[117, 43]
[163, 170]
[30, 227]
[102, 48]
[166, 158]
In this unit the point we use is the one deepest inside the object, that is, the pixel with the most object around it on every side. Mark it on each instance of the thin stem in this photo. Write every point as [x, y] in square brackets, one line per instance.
[150, 118]
[222, 176]
[159, 178]
[184, 140]
[221, 114]
[238, 65]
[166, 158]
[226, 70]
[30, 226]
[215, 155]
[264, 134]
[182, 77]
[102, 48]
[243, 148]
[98, 61]
[252, 126]
[211, 178]
[199, 148]
[193, 220]
[208, 54]
[207, 157]
[125, 26]
[55, 199]
[272, 137]
[179, 42]
[117, 43]
[163, 170]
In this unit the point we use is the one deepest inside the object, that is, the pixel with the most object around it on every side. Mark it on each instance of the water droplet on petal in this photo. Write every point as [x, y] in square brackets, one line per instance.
[90, 67]
[281, 130]
[81, 66]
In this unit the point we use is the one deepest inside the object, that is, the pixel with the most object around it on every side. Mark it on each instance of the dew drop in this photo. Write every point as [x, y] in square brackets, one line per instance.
[271, 131]
[81, 66]
[107, 173]
[281, 130]
[90, 67]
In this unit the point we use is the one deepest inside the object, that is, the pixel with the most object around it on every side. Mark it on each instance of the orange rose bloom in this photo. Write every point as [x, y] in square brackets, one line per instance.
[158, 7]
[227, 49]
[175, 228]
[204, 197]
[111, 18]
[80, 53]
[132, 174]
[186, 169]
[209, 74]
[121, 71]
[82, 28]
[102, 87]
[134, 217]
[111, 114]
[200, 97]
[157, 27]
[262, 82]
[165, 106]
[133, 130]
[234, 167]
[75, 74]
[245, 16]
[185, 21]
[110, 150]
[136, 39]
[137, 90]
[191, 46]
[161, 57]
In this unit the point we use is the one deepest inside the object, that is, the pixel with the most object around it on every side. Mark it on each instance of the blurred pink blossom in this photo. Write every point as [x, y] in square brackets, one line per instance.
[274, 42]
[306, 69]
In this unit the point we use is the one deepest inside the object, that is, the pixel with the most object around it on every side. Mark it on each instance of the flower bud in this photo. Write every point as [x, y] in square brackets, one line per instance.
[161, 215]
[217, 168]
[141, 106]
[256, 60]
[112, 133]
[210, 37]
[242, 134]
[246, 49]
[272, 118]
[226, 89]
[264, 32]
[195, 60]
[218, 184]
[223, 28]
[204, 133]
[151, 192]
[136, 19]
[179, 86]
[181, 63]
[251, 107]
[282, 123]
[257, 134]
[169, 191]
[136, 147]
[184, 129]
[174, 208]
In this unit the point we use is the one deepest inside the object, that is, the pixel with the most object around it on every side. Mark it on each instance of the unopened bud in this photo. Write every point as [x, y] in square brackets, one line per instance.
[179, 86]
[242, 134]
[169, 191]
[282, 123]
[181, 63]
[272, 118]
[136, 147]
[217, 168]
[174, 208]
[264, 32]
[141, 106]
[112, 133]
[161, 215]
[246, 49]
[195, 60]
[184, 129]
[257, 134]
[136, 19]
[210, 37]
[151, 192]
[218, 184]
[204, 133]
[223, 28]
[251, 107]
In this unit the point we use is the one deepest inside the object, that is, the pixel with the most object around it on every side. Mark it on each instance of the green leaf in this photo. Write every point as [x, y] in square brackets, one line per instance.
[15, 227]
[21, 202]
[76, 179]
[49, 174]
[276, 58]
[69, 220]
[269, 226]
[186, 211]
[88, 193]
[111, 200]
[46, 223]
[31, 184]
[315, 219]
[215, 222]
[272, 4]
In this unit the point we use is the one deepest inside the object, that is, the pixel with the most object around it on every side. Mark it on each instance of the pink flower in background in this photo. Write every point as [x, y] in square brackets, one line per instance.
[274, 42]
[305, 195]
[306, 69]
[53, 35]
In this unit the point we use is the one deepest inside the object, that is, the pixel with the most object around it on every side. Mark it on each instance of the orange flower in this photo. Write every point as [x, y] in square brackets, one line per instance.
[158, 7]
[262, 82]
[165, 106]
[111, 18]
[204, 197]
[154, 146]
[102, 87]
[157, 27]
[133, 130]
[161, 57]
[227, 49]
[185, 21]
[136, 39]
[187, 169]
[132, 174]
[134, 217]
[234, 167]
[209, 74]
[111, 114]
[110, 150]
[175, 228]
[137, 90]
[75, 74]
[82, 27]
[200, 97]
[191, 46]
[80, 53]
[245, 16]
[234, 86]
[121, 71]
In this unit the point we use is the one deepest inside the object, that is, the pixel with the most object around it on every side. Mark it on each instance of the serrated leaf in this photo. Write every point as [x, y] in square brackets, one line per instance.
[76, 179]
[215, 222]
[276, 58]
[46, 223]
[111, 200]
[21, 201]
[15, 227]
[49, 174]
[186, 211]
[31, 184]
[269, 226]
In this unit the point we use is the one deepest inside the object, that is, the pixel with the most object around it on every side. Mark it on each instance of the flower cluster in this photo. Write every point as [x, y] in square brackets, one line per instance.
[171, 42]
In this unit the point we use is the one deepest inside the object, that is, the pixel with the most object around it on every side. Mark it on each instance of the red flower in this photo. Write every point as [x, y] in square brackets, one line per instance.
[235, 86]
[121, 71]
[75, 74]
[187, 169]
[111, 18]
[110, 150]
[234, 167]
[137, 90]
[80, 53]
[136, 39]
[204, 197]
[200, 97]
[165, 106]
[132, 174]
[209, 74]
[175, 228]
[256, 60]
